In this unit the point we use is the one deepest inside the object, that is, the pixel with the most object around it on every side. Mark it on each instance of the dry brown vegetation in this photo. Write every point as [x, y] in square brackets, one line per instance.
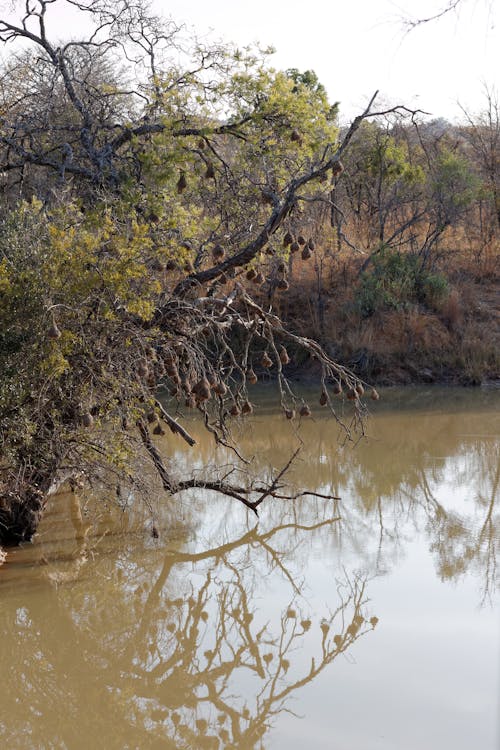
[456, 340]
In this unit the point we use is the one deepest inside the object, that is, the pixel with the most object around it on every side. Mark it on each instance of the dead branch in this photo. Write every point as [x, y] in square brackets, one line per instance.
[175, 427]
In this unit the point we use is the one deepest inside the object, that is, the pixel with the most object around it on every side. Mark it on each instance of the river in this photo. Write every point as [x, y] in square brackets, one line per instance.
[370, 622]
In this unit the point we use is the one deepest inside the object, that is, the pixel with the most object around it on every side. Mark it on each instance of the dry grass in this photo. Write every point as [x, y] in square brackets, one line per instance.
[459, 341]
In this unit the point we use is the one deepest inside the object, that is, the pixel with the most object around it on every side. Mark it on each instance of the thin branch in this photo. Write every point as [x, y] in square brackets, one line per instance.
[175, 427]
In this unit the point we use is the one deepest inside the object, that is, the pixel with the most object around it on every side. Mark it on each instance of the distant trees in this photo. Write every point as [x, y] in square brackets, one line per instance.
[482, 134]
[405, 185]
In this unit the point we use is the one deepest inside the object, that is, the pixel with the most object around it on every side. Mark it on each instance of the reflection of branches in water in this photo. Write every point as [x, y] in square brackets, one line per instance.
[465, 540]
[404, 483]
[392, 489]
[173, 670]
[196, 677]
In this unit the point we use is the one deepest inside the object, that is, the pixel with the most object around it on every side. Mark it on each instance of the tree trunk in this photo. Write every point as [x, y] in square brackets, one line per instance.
[21, 509]
[20, 514]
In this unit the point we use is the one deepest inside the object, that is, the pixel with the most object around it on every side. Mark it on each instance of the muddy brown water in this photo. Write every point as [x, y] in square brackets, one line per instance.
[365, 623]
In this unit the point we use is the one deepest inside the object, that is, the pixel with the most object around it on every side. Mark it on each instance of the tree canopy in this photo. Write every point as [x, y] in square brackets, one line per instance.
[155, 189]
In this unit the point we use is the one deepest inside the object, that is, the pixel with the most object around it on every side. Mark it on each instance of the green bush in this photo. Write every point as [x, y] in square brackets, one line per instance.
[397, 281]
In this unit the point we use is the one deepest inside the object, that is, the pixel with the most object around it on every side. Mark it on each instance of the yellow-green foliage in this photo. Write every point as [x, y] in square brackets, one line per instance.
[387, 159]
[82, 273]
[85, 281]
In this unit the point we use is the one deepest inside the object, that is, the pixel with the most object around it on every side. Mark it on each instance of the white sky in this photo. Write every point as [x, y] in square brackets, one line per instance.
[359, 46]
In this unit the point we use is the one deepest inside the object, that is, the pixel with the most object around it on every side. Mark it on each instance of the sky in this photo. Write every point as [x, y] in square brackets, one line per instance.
[358, 46]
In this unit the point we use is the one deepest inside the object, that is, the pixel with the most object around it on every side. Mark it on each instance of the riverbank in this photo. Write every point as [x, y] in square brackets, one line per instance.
[456, 341]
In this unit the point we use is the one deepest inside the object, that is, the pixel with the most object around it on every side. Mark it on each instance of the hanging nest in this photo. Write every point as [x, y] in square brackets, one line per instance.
[352, 394]
[337, 168]
[151, 417]
[181, 183]
[305, 411]
[142, 368]
[287, 239]
[201, 144]
[337, 389]
[218, 253]
[260, 278]
[323, 399]
[235, 410]
[173, 373]
[283, 355]
[290, 413]
[171, 265]
[219, 388]
[158, 429]
[374, 395]
[210, 171]
[266, 360]
[306, 253]
[170, 366]
[54, 332]
[246, 408]
[251, 377]
[359, 389]
[201, 390]
[301, 240]
[251, 274]
[159, 368]
[282, 285]
[87, 419]
[295, 136]
[294, 247]
[310, 244]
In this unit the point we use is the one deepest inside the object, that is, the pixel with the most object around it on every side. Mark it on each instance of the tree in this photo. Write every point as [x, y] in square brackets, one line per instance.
[482, 133]
[154, 189]
[383, 189]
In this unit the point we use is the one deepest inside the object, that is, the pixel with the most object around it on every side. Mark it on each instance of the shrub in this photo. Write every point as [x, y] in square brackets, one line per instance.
[397, 281]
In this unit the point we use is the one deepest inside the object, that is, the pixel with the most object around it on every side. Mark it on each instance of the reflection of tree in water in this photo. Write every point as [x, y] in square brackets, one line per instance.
[169, 654]
[470, 541]
[463, 536]
[171, 651]
[392, 485]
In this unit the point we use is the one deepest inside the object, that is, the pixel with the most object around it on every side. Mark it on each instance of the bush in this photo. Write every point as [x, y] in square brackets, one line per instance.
[397, 281]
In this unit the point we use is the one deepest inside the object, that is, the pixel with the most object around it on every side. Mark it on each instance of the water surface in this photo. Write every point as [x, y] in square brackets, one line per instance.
[367, 622]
